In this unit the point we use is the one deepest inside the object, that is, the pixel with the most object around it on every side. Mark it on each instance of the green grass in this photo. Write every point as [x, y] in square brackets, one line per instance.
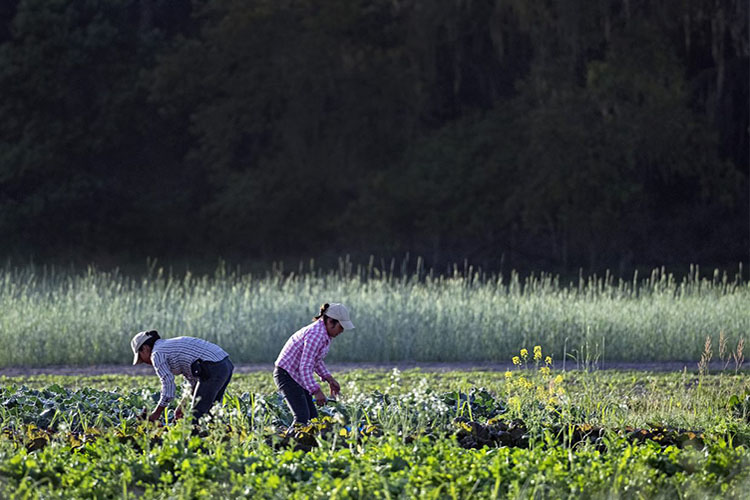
[98, 450]
[53, 316]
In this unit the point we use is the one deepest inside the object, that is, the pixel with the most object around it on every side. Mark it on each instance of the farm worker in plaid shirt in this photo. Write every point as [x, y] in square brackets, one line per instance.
[205, 366]
[302, 355]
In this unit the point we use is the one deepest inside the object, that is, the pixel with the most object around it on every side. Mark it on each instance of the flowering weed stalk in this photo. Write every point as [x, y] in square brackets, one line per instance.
[534, 393]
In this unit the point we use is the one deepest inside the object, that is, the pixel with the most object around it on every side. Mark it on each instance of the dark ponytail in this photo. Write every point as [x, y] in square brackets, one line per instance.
[153, 336]
[322, 314]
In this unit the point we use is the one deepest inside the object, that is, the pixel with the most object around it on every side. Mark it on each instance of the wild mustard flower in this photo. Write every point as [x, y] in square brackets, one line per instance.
[541, 393]
[537, 352]
[543, 388]
[524, 383]
[515, 403]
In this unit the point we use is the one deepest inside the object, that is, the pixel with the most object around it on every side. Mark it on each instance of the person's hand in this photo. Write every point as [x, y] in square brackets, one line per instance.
[320, 398]
[156, 414]
[335, 387]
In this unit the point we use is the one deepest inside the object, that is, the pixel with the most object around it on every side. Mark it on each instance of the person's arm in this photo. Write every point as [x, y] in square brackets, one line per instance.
[310, 348]
[322, 370]
[156, 414]
[167, 385]
[323, 373]
[334, 385]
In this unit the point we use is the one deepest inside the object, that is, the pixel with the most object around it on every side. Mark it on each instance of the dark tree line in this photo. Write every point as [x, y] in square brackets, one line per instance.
[549, 134]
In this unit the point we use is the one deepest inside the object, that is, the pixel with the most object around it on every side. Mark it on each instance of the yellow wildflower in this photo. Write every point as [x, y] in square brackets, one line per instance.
[548, 360]
[514, 402]
[544, 370]
[537, 352]
[541, 394]
[508, 374]
[516, 360]
[524, 353]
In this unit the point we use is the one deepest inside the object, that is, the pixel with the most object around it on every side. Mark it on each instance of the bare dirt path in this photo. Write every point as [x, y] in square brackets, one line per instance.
[94, 370]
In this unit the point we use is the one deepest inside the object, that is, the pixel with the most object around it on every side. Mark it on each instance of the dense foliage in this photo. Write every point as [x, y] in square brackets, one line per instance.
[524, 133]
[399, 434]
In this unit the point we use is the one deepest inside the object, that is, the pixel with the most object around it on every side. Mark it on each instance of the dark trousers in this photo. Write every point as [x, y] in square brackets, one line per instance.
[297, 398]
[211, 386]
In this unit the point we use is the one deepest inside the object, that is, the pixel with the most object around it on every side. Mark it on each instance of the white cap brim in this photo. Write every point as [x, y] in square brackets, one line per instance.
[136, 344]
[348, 325]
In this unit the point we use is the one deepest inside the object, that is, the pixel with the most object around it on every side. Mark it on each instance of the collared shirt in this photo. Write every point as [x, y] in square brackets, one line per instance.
[174, 356]
[303, 353]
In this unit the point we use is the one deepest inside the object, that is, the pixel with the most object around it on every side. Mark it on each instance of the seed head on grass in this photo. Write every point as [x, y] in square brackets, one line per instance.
[739, 355]
[705, 357]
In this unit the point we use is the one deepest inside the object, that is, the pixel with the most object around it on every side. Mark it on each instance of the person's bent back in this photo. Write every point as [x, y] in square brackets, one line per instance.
[205, 366]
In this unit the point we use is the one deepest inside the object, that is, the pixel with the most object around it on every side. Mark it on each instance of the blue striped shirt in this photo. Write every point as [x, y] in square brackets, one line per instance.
[174, 356]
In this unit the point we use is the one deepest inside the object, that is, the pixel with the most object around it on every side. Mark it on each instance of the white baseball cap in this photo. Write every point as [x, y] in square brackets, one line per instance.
[136, 344]
[340, 313]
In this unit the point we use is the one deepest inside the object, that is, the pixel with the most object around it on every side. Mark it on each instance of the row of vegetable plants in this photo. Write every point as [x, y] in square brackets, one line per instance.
[533, 432]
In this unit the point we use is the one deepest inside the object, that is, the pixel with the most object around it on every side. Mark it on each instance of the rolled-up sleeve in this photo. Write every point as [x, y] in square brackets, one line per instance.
[165, 375]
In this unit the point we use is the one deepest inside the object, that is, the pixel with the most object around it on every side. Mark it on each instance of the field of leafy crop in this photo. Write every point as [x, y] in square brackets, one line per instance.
[531, 432]
[68, 317]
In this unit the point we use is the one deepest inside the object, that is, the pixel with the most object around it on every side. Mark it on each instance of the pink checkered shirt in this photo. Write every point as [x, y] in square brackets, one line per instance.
[303, 353]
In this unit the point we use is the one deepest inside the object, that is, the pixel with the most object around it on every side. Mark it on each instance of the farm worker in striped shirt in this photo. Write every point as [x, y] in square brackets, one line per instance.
[205, 366]
[302, 355]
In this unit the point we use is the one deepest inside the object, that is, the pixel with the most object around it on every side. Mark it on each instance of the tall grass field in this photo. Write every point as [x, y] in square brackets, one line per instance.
[51, 316]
